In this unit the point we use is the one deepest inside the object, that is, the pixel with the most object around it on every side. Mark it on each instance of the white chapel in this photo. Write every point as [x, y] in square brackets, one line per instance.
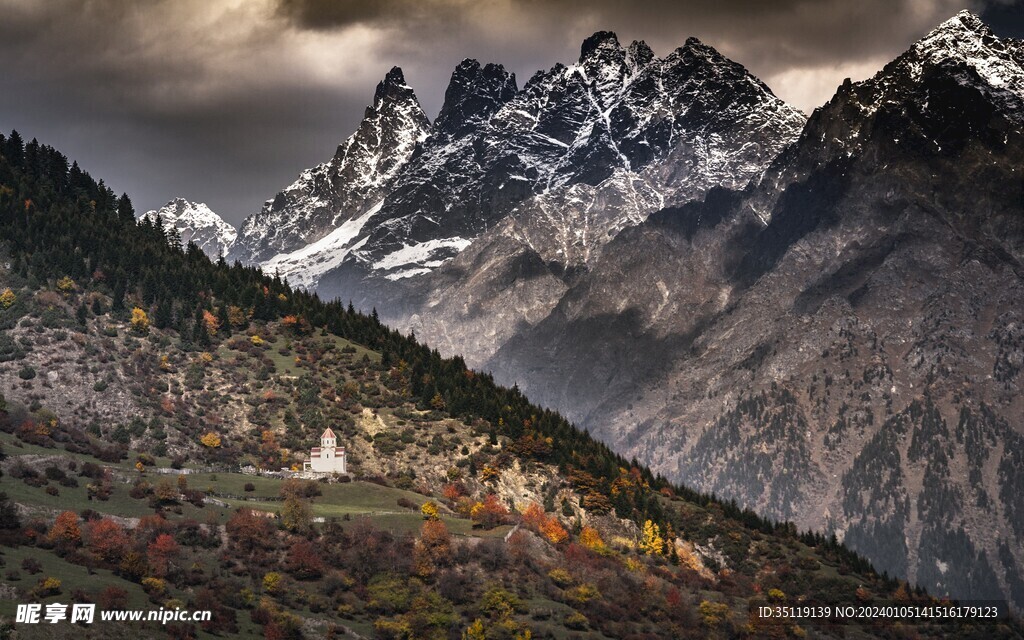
[328, 457]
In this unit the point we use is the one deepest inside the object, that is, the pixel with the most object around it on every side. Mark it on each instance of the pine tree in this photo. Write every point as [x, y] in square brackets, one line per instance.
[200, 336]
[163, 316]
[14, 149]
[125, 211]
[117, 303]
[224, 320]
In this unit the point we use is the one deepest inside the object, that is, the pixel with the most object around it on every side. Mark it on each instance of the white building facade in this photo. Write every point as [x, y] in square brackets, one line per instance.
[328, 457]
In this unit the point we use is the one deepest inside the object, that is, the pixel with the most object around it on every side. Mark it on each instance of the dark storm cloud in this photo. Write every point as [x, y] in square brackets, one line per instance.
[325, 14]
[226, 101]
[221, 103]
[772, 35]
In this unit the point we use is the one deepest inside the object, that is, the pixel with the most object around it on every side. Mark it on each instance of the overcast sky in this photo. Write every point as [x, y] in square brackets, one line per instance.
[226, 101]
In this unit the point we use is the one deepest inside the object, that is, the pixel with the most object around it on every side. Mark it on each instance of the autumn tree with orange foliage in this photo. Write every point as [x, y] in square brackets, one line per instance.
[270, 450]
[296, 324]
[248, 531]
[490, 513]
[160, 553]
[107, 539]
[548, 526]
[211, 322]
[553, 531]
[533, 516]
[303, 561]
[434, 535]
[65, 533]
[453, 491]
[151, 526]
[433, 549]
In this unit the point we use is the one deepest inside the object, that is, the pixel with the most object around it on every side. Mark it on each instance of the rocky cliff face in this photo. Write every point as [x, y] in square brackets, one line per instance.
[839, 344]
[527, 195]
[197, 223]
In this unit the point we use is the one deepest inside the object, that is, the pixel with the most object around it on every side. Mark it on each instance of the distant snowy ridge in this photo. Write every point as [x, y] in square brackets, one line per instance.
[196, 223]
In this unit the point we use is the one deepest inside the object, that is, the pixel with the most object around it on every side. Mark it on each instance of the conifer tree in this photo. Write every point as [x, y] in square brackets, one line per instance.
[223, 319]
[125, 211]
[117, 298]
[200, 336]
[162, 317]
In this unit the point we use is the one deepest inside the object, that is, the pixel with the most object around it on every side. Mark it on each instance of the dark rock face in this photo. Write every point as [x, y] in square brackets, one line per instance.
[840, 343]
[474, 94]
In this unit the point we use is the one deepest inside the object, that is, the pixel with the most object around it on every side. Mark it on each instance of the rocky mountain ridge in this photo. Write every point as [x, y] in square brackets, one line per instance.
[538, 180]
[147, 421]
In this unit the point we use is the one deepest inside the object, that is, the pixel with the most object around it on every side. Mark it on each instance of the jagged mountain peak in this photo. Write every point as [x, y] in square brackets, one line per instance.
[964, 20]
[639, 54]
[654, 130]
[960, 60]
[387, 135]
[394, 80]
[964, 36]
[601, 42]
[694, 51]
[965, 41]
[695, 47]
[473, 95]
[393, 93]
[183, 209]
[351, 183]
[602, 65]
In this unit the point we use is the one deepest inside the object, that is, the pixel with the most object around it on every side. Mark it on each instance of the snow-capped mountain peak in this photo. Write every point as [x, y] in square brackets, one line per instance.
[638, 55]
[196, 223]
[387, 136]
[602, 44]
[964, 40]
[360, 173]
[963, 49]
